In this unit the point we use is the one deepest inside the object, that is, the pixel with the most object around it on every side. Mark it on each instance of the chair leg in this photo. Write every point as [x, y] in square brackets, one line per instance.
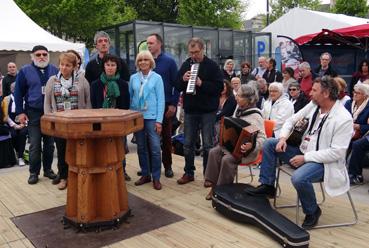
[355, 220]
[251, 175]
[237, 174]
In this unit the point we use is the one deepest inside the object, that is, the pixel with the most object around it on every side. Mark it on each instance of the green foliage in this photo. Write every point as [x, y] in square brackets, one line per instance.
[155, 10]
[223, 14]
[357, 8]
[76, 19]
[281, 7]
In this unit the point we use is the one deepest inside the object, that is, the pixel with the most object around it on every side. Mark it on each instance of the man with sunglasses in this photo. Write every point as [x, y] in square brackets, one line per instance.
[30, 87]
[320, 155]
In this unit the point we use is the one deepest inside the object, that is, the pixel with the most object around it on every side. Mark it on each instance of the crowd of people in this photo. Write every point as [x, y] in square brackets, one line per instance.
[337, 129]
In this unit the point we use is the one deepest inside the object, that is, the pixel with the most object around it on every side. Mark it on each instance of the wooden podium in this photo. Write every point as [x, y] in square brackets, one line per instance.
[96, 193]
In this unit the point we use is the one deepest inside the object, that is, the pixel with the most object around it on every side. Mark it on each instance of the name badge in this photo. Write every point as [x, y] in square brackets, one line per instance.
[304, 144]
[43, 90]
[67, 105]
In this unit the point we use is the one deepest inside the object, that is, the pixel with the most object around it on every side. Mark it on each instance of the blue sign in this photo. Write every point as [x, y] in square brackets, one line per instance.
[260, 47]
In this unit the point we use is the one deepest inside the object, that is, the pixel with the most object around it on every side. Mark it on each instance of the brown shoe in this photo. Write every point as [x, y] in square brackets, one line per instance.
[208, 184]
[156, 184]
[209, 195]
[62, 184]
[143, 180]
[185, 179]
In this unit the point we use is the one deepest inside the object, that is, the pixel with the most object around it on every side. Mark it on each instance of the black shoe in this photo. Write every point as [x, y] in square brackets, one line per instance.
[50, 174]
[33, 179]
[169, 173]
[311, 219]
[56, 180]
[139, 173]
[261, 190]
[356, 180]
[127, 177]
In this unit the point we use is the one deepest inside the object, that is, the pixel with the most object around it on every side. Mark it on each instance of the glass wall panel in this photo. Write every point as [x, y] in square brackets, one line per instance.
[144, 30]
[210, 37]
[175, 39]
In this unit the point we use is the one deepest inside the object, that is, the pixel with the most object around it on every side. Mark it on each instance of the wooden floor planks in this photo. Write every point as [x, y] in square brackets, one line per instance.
[202, 227]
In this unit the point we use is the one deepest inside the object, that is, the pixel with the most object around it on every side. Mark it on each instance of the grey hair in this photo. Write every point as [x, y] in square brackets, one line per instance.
[363, 88]
[249, 93]
[228, 61]
[262, 80]
[100, 34]
[278, 86]
[294, 84]
[304, 65]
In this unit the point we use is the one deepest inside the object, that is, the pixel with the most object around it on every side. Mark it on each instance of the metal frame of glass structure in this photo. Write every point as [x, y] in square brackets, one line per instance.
[220, 43]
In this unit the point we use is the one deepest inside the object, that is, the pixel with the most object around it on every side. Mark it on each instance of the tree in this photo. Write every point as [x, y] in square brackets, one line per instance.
[76, 19]
[357, 8]
[155, 10]
[281, 7]
[225, 13]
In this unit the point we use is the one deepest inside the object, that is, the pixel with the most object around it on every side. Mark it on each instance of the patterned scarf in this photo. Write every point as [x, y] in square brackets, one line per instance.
[112, 89]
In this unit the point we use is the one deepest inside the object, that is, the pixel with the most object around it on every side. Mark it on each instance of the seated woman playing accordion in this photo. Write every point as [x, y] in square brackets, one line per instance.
[222, 165]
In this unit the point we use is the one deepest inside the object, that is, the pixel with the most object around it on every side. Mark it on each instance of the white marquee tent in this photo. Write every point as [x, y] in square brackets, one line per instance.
[19, 34]
[298, 22]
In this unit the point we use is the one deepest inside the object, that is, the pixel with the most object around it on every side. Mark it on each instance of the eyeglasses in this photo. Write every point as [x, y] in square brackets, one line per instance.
[292, 89]
[41, 54]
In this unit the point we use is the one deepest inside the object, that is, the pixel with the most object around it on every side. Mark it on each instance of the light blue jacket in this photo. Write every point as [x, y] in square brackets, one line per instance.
[152, 102]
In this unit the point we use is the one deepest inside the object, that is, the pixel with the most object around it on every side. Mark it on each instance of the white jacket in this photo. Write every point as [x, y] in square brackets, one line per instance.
[280, 111]
[334, 140]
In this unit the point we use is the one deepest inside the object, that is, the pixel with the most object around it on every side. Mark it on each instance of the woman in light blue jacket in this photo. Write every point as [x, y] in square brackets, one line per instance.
[146, 90]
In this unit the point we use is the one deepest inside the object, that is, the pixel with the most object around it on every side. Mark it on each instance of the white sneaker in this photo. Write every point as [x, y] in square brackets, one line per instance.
[21, 162]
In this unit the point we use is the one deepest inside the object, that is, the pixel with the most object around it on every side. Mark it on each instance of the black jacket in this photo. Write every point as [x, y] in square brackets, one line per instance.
[206, 99]
[7, 81]
[228, 77]
[228, 107]
[272, 76]
[245, 78]
[97, 94]
[95, 67]
[301, 102]
[329, 72]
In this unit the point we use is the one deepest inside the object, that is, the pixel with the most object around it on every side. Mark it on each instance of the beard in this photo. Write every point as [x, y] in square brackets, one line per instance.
[41, 64]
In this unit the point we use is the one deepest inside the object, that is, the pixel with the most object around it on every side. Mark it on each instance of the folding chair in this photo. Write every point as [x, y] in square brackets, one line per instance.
[289, 171]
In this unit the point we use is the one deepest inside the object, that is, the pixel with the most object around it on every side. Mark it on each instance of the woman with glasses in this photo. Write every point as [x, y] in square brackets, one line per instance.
[277, 108]
[359, 109]
[296, 96]
[146, 89]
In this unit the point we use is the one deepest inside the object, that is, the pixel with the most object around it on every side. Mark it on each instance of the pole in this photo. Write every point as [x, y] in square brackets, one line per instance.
[267, 10]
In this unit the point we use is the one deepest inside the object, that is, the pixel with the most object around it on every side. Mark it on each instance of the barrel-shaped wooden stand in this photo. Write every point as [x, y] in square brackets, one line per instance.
[97, 193]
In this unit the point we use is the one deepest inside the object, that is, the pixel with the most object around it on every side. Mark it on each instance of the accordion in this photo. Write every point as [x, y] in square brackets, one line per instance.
[234, 132]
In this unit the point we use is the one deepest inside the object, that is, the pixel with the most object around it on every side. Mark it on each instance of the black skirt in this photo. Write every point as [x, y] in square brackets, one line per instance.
[7, 155]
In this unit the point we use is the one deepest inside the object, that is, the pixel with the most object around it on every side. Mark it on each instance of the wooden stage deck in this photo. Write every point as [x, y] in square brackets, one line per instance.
[202, 227]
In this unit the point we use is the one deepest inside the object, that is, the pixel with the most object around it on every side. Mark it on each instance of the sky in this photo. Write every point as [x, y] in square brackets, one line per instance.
[259, 7]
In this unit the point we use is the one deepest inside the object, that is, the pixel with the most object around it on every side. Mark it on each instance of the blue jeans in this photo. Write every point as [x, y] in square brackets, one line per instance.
[302, 179]
[35, 136]
[149, 134]
[192, 124]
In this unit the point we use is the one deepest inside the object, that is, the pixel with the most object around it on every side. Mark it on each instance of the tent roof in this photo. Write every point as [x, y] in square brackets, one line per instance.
[350, 35]
[298, 22]
[20, 33]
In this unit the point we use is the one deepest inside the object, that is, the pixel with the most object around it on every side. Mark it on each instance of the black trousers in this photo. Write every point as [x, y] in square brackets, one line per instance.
[61, 145]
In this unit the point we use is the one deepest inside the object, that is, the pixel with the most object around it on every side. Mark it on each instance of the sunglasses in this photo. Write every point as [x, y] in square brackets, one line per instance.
[292, 89]
[41, 54]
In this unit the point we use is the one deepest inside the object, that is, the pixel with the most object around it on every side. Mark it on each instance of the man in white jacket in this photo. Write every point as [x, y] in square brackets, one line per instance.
[321, 154]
